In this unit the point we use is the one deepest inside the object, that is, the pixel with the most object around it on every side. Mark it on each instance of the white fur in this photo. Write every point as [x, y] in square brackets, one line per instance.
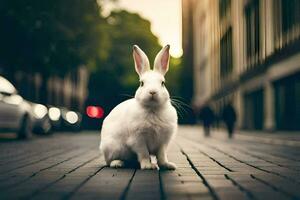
[144, 125]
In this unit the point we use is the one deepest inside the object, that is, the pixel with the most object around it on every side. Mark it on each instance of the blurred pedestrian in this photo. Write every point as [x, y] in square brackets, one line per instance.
[207, 116]
[229, 117]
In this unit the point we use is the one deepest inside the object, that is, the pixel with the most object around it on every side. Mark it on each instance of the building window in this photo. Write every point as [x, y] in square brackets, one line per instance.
[226, 53]
[252, 28]
[224, 6]
[290, 16]
[286, 22]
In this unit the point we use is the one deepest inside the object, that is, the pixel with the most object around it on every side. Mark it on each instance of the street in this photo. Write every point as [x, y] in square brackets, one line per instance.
[69, 166]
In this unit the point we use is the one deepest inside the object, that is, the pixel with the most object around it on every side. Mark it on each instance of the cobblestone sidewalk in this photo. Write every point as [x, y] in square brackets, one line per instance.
[69, 166]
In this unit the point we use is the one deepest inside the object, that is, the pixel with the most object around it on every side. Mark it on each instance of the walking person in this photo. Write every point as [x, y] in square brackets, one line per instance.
[207, 116]
[229, 117]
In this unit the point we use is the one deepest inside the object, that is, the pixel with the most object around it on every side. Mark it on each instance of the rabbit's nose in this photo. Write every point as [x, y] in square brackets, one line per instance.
[152, 92]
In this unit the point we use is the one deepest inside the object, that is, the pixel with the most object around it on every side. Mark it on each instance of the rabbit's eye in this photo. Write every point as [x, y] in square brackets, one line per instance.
[141, 83]
[162, 83]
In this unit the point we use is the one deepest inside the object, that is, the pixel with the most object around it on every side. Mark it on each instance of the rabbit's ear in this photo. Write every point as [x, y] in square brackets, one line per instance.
[141, 61]
[161, 62]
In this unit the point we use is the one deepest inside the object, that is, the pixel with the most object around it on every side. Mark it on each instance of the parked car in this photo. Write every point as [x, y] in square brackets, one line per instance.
[41, 120]
[15, 112]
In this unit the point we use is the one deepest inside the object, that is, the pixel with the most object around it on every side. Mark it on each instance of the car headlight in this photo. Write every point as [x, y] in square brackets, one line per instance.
[40, 111]
[72, 117]
[54, 114]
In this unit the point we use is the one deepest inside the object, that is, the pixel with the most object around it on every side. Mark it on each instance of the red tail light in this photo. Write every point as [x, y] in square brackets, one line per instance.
[95, 112]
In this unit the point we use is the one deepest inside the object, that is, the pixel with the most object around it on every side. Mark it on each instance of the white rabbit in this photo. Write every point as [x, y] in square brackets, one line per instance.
[144, 125]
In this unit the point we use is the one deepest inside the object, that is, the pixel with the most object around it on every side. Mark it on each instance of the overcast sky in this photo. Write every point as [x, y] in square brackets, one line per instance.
[165, 17]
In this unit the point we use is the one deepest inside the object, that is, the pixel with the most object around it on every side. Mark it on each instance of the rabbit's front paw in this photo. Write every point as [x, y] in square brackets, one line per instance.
[117, 164]
[167, 165]
[146, 164]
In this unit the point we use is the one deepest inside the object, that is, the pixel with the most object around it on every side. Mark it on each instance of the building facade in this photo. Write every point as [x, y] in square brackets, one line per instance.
[247, 53]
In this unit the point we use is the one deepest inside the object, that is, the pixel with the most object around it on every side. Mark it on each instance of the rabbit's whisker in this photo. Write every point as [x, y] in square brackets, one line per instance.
[126, 95]
[179, 109]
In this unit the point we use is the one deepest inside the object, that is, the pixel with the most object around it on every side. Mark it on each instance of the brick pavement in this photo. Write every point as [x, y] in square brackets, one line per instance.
[69, 166]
